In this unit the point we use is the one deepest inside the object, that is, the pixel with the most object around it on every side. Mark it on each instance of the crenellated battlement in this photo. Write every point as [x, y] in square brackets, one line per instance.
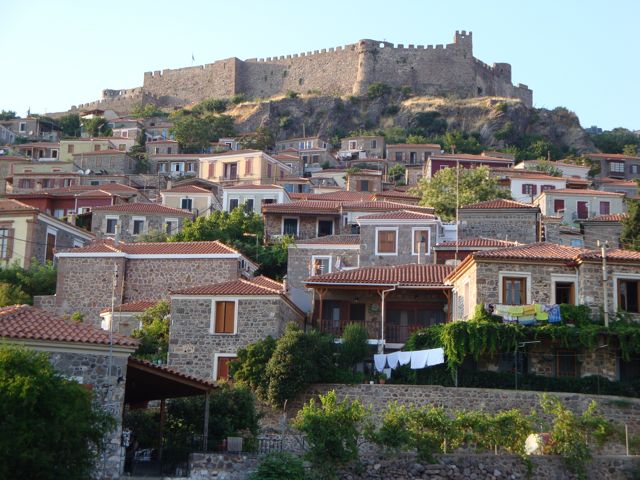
[437, 69]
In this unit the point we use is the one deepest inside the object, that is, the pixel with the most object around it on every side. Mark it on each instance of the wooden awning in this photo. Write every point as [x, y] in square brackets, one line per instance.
[147, 381]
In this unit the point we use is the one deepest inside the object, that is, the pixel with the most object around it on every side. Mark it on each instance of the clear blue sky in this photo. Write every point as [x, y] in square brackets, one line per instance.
[581, 54]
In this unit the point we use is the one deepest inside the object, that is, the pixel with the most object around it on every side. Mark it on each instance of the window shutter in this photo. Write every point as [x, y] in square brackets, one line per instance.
[219, 317]
[228, 316]
[524, 188]
[534, 189]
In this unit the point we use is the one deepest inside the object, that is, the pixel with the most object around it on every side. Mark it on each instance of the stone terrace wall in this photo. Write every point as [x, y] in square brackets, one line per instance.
[618, 409]
[520, 225]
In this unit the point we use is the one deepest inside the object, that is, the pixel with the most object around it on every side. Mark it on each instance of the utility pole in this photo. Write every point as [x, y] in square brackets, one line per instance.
[605, 289]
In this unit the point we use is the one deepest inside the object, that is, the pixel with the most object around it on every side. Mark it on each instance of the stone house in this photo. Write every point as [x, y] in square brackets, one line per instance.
[316, 256]
[39, 151]
[411, 154]
[162, 147]
[554, 230]
[396, 238]
[144, 270]
[27, 234]
[391, 302]
[7, 137]
[123, 318]
[190, 198]
[617, 165]
[500, 219]
[130, 220]
[210, 323]
[464, 160]
[74, 146]
[397, 196]
[628, 187]
[361, 146]
[603, 229]
[456, 251]
[575, 205]
[6, 167]
[33, 128]
[413, 174]
[551, 274]
[301, 143]
[243, 166]
[81, 353]
[125, 127]
[35, 177]
[252, 196]
[176, 164]
[364, 181]
[105, 162]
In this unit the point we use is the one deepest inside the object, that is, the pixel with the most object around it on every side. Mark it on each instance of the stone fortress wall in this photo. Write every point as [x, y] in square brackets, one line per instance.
[437, 70]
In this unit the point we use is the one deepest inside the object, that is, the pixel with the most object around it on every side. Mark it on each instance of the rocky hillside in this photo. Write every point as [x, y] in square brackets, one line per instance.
[498, 121]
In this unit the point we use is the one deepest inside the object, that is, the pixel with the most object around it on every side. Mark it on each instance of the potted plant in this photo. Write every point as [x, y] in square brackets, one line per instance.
[382, 378]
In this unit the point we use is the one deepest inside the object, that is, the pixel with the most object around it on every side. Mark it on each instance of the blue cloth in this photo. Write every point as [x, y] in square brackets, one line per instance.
[554, 313]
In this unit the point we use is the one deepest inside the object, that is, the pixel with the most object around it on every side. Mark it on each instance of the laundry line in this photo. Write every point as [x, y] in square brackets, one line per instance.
[416, 359]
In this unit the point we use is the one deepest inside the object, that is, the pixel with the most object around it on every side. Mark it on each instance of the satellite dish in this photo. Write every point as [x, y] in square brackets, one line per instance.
[87, 171]
[80, 172]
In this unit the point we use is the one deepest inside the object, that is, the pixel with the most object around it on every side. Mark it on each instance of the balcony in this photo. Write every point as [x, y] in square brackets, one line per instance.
[394, 333]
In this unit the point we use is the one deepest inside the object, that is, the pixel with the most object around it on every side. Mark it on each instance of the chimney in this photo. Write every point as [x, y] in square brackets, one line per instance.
[116, 239]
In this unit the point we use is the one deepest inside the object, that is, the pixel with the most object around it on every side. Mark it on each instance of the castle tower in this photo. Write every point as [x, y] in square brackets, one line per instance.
[464, 40]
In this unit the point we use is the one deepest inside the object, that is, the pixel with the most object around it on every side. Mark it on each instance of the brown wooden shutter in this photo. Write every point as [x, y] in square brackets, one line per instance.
[219, 317]
[225, 313]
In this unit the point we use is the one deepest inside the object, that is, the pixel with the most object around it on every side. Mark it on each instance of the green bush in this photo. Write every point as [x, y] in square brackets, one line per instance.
[250, 367]
[332, 429]
[279, 466]
[291, 94]
[377, 90]
[354, 348]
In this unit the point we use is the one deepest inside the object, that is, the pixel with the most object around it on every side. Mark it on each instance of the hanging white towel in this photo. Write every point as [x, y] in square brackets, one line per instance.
[419, 359]
[404, 358]
[392, 359]
[436, 357]
[380, 360]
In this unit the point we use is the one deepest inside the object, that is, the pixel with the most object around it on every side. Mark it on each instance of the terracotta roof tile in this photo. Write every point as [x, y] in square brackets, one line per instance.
[240, 287]
[613, 255]
[533, 251]
[187, 189]
[132, 361]
[413, 145]
[341, 195]
[268, 282]
[111, 151]
[614, 217]
[29, 323]
[499, 204]
[616, 156]
[399, 215]
[383, 206]
[251, 186]
[396, 194]
[139, 306]
[403, 275]
[8, 205]
[331, 240]
[155, 248]
[479, 242]
[581, 191]
[466, 156]
[310, 207]
[142, 208]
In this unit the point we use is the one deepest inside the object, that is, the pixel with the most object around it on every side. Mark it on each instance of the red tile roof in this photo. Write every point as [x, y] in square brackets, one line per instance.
[399, 215]
[7, 205]
[251, 186]
[111, 151]
[310, 207]
[581, 191]
[268, 282]
[154, 208]
[37, 145]
[614, 217]
[187, 189]
[409, 275]
[479, 242]
[613, 255]
[533, 251]
[107, 187]
[383, 206]
[137, 362]
[413, 145]
[499, 204]
[466, 156]
[237, 152]
[30, 323]
[616, 156]
[155, 248]
[139, 306]
[341, 195]
[237, 287]
[331, 240]
[396, 194]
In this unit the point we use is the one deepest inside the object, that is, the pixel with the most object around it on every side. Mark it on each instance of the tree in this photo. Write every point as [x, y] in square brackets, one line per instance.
[397, 174]
[7, 115]
[192, 133]
[139, 152]
[12, 295]
[546, 167]
[377, 90]
[250, 367]
[38, 279]
[262, 139]
[462, 142]
[215, 105]
[70, 125]
[49, 427]
[97, 127]
[630, 235]
[428, 124]
[140, 110]
[475, 185]
[354, 348]
[614, 141]
[631, 150]
[221, 126]
[154, 333]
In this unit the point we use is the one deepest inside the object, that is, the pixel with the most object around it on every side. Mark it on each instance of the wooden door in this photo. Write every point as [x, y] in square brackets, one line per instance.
[222, 370]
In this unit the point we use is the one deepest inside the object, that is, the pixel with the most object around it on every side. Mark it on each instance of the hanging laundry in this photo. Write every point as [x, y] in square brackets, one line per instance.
[392, 359]
[528, 310]
[419, 359]
[404, 358]
[380, 360]
[516, 310]
[436, 357]
[554, 313]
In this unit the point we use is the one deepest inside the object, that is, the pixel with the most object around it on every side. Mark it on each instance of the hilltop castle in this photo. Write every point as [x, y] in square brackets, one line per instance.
[428, 70]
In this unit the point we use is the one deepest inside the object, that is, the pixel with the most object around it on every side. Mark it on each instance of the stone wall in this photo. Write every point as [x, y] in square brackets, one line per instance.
[152, 222]
[64, 239]
[113, 163]
[93, 370]
[307, 224]
[192, 346]
[518, 225]
[221, 466]
[404, 255]
[603, 232]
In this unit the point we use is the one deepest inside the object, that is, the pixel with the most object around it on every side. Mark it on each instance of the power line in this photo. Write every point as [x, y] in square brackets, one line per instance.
[9, 237]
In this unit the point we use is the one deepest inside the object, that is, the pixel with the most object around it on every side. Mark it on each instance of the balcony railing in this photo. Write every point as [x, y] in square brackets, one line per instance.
[394, 333]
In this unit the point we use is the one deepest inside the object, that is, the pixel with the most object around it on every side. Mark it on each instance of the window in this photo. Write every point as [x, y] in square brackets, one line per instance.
[565, 292]
[169, 150]
[420, 243]
[248, 166]
[156, 150]
[186, 204]
[566, 365]
[315, 158]
[190, 167]
[325, 227]
[222, 366]
[6, 242]
[248, 205]
[576, 242]
[605, 208]
[233, 203]
[230, 171]
[171, 227]
[162, 167]
[290, 227]
[413, 158]
[634, 169]
[558, 205]
[617, 167]
[70, 148]
[514, 290]
[582, 209]
[353, 145]
[68, 182]
[54, 153]
[628, 295]
[58, 213]
[22, 127]
[268, 201]
[111, 225]
[225, 317]
[97, 148]
[320, 265]
[386, 242]
[399, 157]
[529, 189]
[374, 144]
[544, 188]
[138, 226]
[364, 185]
[25, 183]
[177, 167]
[47, 183]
